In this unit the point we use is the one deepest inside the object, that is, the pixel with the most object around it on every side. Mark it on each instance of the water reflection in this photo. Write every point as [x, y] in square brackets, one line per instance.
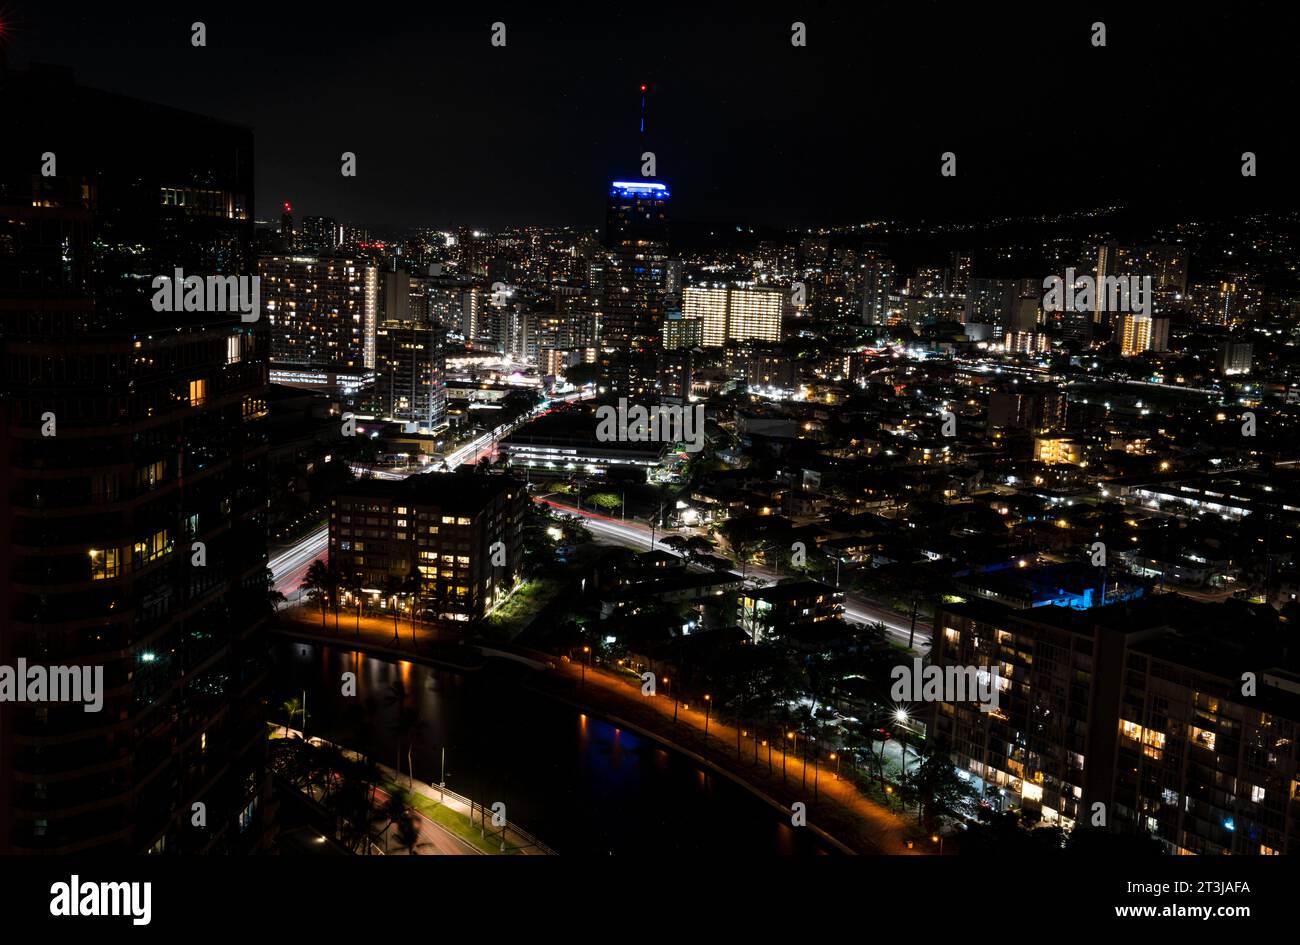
[578, 783]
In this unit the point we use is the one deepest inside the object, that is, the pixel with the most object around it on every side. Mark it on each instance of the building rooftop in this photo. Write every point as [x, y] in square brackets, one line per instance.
[795, 590]
[462, 490]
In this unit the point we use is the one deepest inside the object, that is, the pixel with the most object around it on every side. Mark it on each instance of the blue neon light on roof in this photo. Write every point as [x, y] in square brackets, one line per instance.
[642, 190]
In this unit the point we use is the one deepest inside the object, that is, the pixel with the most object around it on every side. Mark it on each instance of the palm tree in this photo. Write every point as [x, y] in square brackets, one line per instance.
[394, 810]
[353, 584]
[274, 598]
[408, 833]
[394, 588]
[411, 588]
[317, 584]
[291, 708]
[407, 726]
[352, 803]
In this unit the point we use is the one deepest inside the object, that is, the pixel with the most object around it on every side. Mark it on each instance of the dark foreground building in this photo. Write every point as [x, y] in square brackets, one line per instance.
[1168, 717]
[133, 499]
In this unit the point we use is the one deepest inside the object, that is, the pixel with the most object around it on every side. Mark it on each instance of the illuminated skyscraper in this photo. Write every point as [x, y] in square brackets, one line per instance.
[1135, 334]
[318, 308]
[636, 241]
[754, 313]
[707, 304]
[734, 314]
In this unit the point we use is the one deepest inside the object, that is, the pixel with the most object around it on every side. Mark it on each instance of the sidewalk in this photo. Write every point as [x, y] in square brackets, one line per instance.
[432, 804]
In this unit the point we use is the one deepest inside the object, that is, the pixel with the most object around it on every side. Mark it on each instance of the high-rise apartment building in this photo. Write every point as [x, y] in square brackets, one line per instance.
[1135, 709]
[1235, 357]
[877, 285]
[318, 310]
[1134, 334]
[734, 314]
[682, 332]
[320, 235]
[134, 496]
[409, 373]
[754, 314]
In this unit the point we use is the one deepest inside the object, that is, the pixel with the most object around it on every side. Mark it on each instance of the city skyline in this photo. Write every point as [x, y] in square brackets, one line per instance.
[667, 435]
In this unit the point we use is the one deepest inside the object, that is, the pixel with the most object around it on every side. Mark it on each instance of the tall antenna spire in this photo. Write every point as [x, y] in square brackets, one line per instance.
[643, 93]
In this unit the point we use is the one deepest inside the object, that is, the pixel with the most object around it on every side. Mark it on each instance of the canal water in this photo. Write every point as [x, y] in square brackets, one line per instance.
[577, 783]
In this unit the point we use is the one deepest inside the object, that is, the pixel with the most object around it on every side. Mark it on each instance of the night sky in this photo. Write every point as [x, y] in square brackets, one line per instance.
[449, 130]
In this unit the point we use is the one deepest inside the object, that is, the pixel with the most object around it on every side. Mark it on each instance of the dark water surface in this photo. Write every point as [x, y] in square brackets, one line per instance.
[577, 783]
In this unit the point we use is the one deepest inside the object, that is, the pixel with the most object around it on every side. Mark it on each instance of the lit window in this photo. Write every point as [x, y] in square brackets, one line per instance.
[103, 564]
[152, 548]
[198, 393]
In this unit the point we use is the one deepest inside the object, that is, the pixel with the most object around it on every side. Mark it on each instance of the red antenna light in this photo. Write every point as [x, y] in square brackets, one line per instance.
[642, 86]
[287, 208]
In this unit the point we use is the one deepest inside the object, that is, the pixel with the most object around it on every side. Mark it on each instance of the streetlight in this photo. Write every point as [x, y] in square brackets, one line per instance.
[708, 703]
[583, 664]
[836, 758]
[789, 737]
[938, 838]
[900, 716]
[816, 768]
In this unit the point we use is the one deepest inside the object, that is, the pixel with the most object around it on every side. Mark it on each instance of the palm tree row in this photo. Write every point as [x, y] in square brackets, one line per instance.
[326, 585]
[346, 786]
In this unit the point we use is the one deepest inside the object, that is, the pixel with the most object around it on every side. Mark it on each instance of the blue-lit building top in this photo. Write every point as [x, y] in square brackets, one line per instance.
[639, 190]
[1070, 584]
